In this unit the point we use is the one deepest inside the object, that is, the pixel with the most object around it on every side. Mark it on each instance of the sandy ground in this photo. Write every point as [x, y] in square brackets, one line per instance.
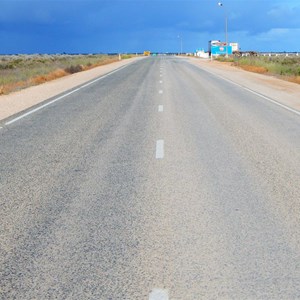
[287, 93]
[282, 91]
[18, 101]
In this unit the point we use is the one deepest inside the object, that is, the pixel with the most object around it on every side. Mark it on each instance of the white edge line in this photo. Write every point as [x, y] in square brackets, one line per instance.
[273, 101]
[61, 97]
[257, 94]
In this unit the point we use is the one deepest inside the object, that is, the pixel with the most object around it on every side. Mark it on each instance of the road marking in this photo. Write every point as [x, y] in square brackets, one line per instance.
[61, 97]
[160, 81]
[257, 94]
[273, 101]
[160, 91]
[159, 149]
[159, 294]
[160, 75]
[160, 108]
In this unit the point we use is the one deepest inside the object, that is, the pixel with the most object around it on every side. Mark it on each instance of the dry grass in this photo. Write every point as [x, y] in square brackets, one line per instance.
[50, 76]
[7, 88]
[18, 85]
[21, 71]
[295, 79]
[255, 69]
[286, 68]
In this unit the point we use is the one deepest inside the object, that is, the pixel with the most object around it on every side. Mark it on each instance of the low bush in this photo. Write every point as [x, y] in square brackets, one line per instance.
[74, 69]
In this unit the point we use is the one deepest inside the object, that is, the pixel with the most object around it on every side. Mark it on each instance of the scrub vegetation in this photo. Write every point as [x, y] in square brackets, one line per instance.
[285, 67]
[21, 71]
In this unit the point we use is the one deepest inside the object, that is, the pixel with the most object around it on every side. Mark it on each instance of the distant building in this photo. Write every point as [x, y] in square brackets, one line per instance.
[235, 47]
[201, 53]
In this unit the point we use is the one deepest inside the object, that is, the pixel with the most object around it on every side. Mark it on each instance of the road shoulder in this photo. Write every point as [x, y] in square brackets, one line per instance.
[281, 91]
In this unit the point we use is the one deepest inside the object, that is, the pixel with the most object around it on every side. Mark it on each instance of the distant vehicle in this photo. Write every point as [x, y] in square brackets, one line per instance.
[147, 53]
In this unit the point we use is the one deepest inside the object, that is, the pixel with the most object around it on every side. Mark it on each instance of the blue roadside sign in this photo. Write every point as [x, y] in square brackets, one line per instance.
[221, 50]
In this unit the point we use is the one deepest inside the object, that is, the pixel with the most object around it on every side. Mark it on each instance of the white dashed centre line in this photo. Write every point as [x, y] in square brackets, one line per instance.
[160, 81]
[160, 91]
[159, 294]
[159, 149]
[160, 108]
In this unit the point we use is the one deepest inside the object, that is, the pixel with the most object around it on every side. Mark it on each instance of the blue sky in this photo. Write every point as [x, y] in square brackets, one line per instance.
[93, 26]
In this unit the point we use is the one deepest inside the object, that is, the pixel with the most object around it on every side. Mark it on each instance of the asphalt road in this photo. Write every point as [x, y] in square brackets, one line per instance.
[159, 181]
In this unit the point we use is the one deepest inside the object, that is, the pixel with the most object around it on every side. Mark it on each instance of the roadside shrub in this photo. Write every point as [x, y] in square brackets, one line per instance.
[74, 69]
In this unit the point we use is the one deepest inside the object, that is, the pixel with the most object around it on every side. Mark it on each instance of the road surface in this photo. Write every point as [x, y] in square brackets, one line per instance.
[158, 181]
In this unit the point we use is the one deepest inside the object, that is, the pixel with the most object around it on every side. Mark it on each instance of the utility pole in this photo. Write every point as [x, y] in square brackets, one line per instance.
[226, 27]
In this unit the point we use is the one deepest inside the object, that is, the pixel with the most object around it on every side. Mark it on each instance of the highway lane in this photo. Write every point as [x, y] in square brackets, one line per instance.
[160, 176]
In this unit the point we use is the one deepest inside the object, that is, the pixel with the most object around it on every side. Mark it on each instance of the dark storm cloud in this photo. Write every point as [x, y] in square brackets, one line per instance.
[132, 25]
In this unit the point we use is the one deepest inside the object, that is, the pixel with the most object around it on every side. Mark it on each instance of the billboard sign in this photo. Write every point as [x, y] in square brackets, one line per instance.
[221, 50]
